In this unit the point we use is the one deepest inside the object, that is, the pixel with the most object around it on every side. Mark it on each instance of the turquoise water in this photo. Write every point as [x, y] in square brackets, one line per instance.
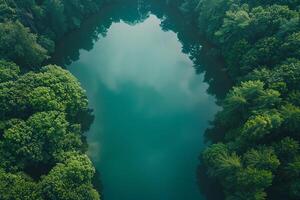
[151, 109]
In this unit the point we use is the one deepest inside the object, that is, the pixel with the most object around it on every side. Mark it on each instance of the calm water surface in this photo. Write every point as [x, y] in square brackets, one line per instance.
[151, 110]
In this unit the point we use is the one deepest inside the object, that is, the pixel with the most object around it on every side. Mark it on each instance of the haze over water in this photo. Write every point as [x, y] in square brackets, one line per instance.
[151, 110]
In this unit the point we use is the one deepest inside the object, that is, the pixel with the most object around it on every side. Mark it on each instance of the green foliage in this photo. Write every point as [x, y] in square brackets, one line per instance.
[50, 89]
[241, 100]
[233, 26]
[54, 10]
[47, 19]
[41, 120]
[40, 139]
[287, 75]
[212, 10]
[252, 178]
[19, 45]
[221, 162]
[251, 182]
[43, 114]
[8, 71]
[262, 158]
[290, 46]
[259, 125]
[70, 179]
[287, 149]
[292, 119]
[7, 12]
[17, 186]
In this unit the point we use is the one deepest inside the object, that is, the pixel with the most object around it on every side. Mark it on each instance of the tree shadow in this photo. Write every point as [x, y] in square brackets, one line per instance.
[209, 187]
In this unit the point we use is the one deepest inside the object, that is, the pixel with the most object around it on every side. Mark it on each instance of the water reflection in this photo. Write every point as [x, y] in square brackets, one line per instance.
[205, 59]
[137, 63]
[140, 55]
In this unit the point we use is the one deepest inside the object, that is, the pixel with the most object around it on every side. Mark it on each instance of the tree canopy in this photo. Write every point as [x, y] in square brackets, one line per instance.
[255, 150]
[41, 135]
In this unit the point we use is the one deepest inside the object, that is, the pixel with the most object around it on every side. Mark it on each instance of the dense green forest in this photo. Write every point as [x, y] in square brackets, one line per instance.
[43, 110]
[29, 28]
[255, 152]
[255, 138]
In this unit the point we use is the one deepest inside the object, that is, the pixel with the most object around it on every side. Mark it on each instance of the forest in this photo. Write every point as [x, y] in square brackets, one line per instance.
[254, 151]
[43, 110]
